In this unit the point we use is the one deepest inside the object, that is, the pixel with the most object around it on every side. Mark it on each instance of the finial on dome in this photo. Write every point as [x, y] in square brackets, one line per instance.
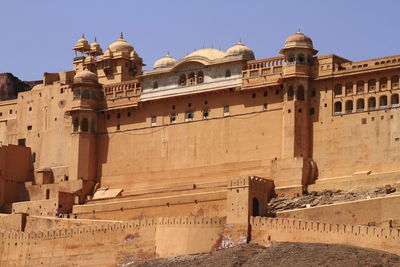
[167, 55]
[95, 39]
[121, 36]
[298, 30]
[83, 35]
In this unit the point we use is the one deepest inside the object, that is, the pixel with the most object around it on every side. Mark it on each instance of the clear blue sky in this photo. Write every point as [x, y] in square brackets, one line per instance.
[37, 36]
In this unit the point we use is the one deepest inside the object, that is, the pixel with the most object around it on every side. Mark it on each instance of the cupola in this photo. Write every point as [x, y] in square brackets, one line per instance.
[82, 45]
[240, 49]
[95, 49]
[85, 76]
[165, 62]
[120, 45]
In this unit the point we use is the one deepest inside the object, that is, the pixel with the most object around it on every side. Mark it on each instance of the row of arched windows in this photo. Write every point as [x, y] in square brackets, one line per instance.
[351, 88]
[300, 93]
[192, 78]
[83, 125]
[297, 59]
[371, 103]
[84, 94]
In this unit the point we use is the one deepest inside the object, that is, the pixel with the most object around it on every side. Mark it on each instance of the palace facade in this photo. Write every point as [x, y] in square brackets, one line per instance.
[109, 140]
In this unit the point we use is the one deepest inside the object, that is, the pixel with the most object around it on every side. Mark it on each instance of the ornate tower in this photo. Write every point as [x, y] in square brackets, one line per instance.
[86, 98]
[294, 167]
[119, 63]
[81, 48]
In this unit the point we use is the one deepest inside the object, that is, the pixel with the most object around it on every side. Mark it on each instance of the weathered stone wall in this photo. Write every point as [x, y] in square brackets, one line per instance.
[378, 212]
[110, 244]
[264, 230]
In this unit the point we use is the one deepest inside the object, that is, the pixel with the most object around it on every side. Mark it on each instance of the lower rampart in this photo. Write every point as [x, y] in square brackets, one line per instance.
[266, 230]
[110, 244]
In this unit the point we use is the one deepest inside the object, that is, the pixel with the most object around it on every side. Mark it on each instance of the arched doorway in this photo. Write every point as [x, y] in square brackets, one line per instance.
[256, 207]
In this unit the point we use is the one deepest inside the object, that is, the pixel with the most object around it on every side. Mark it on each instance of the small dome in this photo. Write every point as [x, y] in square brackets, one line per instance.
[108, 54]
[85, 76]
[121, 45]
[164, 62]
[89, 60]
[209, 53]
[298, 40]
[82, 44]
[240, 49]
[95, 48]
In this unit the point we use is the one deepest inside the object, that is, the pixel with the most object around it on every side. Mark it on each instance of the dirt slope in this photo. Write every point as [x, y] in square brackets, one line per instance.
[284, 254]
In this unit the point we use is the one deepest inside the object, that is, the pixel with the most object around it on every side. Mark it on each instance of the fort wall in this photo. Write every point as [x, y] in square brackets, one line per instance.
[266, 230]
[194, 204]
[377, 211]
[355, 139]
[111, 244]
[192, 151]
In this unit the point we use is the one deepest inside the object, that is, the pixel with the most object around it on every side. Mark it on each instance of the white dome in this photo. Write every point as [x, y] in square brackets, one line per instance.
[240, 49]
[164, 62]
[209, 53]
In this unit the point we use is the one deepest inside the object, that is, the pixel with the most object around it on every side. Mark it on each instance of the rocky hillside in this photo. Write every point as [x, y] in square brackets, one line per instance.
[282, 255]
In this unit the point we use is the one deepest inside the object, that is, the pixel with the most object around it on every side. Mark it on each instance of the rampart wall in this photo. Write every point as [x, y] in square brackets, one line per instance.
[110, 244]
[195, 204]
[265, 230]
[381, 211]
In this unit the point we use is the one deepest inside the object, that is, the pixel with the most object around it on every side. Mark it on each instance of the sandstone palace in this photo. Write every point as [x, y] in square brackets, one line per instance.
[184, 157]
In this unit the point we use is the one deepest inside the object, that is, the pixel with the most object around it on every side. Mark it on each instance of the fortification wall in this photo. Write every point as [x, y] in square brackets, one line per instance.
[357, 141]
[110, 244]
[201, 204]
[264, 230]
[376, 211]
[193, 151]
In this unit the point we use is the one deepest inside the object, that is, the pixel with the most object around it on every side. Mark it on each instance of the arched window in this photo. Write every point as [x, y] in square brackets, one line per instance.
[85, 125]
[227, 73]
[360, 105]
[182, 80]
[189, 115]
[349, 88]
[338, 89]
[155, 85]
[301, 59]
[93, 95]
[395, 81]
[371, 103]
[394, 100]
[383, 83]
[290, 93]
[77, 94]
[300, 93]
[371, 85]
[256, 207]
[383, 102]
[76, 125]
[360, 87]
[349, 106]
[338, 108]
[200, 77]
[291, 58]
[191, 78]
[85, 94]
[93, 126]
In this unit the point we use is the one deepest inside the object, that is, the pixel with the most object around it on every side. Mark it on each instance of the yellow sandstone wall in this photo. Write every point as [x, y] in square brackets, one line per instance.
[344, 144]
[190, 152]
[264, 230]
[111, 244]
[377, 211]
